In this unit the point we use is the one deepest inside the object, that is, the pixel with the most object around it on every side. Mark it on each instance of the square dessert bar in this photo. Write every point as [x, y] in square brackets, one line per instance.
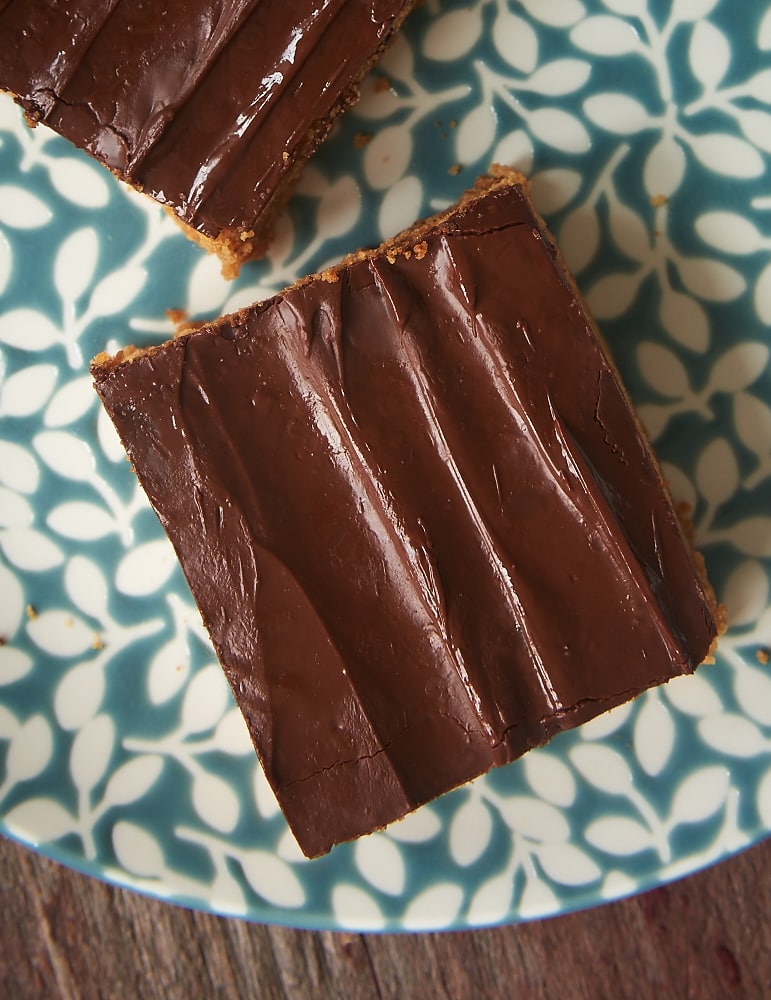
[421, 521]
[210, 106]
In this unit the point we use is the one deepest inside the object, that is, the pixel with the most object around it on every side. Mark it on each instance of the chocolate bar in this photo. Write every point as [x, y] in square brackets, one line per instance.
[421, 521]
[210, 106]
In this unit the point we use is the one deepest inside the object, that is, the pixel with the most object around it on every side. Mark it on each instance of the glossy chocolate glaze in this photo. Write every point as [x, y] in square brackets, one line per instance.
[204, 104]
[418, 515]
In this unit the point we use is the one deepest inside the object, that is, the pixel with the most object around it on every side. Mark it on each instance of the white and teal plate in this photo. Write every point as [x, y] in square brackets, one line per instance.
[646, 130]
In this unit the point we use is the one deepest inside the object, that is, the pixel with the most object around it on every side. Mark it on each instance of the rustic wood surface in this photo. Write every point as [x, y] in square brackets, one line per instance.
[63, 935]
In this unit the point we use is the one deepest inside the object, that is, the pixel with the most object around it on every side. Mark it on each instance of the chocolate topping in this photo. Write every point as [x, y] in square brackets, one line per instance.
[207, 106]
[420, 519]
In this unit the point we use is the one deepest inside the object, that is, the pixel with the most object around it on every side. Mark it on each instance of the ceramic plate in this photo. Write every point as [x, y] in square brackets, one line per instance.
[646, 130]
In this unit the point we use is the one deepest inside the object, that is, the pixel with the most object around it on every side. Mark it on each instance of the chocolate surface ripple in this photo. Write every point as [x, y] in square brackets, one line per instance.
[421, 521]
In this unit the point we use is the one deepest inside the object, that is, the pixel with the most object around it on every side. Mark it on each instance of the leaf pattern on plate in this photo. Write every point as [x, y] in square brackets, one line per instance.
[645, 130]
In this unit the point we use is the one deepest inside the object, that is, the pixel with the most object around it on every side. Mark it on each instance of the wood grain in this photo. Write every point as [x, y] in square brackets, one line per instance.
[63, 935]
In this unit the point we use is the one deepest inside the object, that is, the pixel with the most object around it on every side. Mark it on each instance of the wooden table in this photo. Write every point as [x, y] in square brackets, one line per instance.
[65, 935]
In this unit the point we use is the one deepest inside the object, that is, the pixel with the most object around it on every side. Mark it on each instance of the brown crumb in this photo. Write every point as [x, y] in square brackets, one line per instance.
[658, 200]
[330, 276]
[3, 640]
[285, 156]
[182, 323]
[421, 249]
[763, 656]
[246, 234]
[177, 316]
[382, 83]
[455, 169]
[361, 139]
[391, 254]
[453, 124]
[112, 361]
[98, 642]
[31, 612]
